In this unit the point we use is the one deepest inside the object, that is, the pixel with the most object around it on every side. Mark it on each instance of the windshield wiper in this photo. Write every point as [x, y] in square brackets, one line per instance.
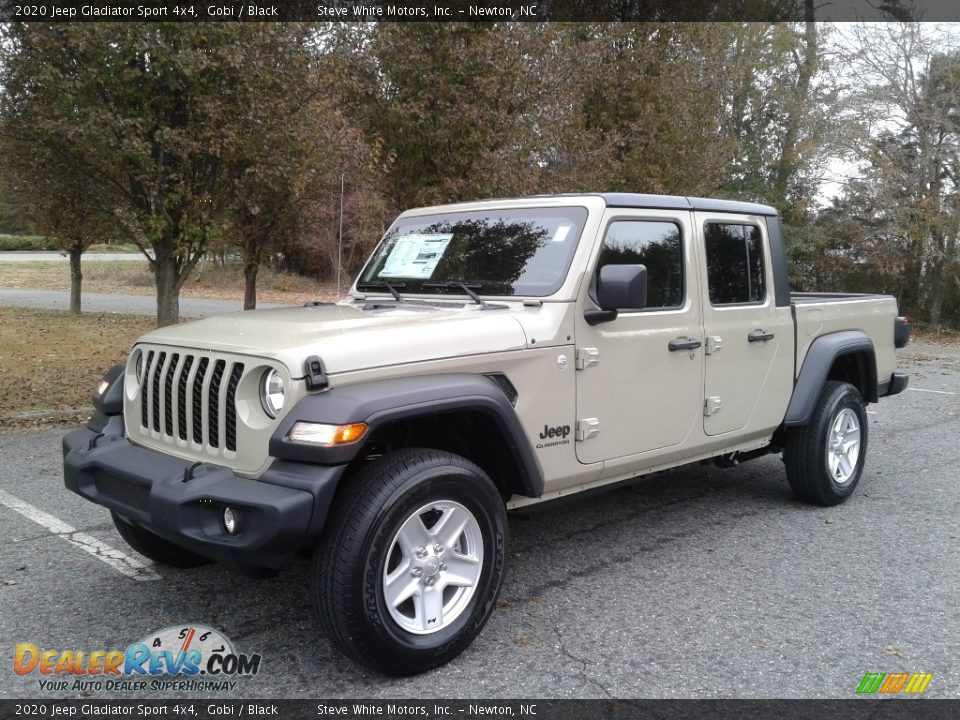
[457, 285]
[384, 284]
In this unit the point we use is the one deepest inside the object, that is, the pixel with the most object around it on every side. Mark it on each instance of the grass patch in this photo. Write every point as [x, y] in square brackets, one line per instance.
[26, 242]
[52, 360]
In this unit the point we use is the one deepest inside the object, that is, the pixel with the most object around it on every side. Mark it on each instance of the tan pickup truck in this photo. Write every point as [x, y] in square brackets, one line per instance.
[489, 356]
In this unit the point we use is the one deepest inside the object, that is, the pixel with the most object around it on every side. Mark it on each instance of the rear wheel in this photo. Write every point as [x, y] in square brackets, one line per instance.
[825, 458]
[155, 547]
[411, 564]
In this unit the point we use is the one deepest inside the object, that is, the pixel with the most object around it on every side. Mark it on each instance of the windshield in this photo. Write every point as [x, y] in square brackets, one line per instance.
[493, 252]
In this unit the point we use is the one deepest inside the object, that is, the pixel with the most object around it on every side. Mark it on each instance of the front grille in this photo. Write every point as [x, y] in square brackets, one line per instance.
[190, 397]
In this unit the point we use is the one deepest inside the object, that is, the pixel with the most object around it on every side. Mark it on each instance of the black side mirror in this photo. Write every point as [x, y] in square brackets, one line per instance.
[619, 287]
[622, 287]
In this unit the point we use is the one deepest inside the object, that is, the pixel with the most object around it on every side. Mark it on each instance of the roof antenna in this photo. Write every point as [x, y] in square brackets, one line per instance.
[340, 240]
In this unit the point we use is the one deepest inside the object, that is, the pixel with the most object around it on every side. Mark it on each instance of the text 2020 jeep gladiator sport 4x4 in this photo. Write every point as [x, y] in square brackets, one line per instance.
[490, 355]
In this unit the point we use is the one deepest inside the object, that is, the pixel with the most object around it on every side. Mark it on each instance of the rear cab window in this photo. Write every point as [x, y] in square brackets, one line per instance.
[735, 263]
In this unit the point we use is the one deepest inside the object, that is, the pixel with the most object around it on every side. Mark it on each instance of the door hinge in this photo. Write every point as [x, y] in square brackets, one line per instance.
[713, 345]
[587, 357]
[711, 406]
[587, 428]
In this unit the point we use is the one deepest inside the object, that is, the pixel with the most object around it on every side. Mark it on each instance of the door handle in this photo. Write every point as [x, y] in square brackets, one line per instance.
[760, 336]
[683, 344]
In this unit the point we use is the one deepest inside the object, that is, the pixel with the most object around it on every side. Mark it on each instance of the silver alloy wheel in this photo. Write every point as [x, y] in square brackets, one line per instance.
[433, 567]
[843, 446]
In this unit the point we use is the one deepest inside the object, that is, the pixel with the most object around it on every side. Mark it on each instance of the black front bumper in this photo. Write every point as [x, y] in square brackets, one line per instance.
[183, 502]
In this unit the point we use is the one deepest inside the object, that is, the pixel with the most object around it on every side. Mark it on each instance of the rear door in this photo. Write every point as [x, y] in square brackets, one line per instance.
[634, 394]
[748, 340]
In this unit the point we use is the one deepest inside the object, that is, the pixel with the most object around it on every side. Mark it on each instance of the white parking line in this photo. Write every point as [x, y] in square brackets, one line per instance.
[938, 392]
[121, 562]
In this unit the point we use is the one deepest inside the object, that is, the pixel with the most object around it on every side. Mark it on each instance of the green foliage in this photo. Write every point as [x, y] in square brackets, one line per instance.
[450, 107]
[184, 139]
[26, 242]
[10, 222]
[155, 118]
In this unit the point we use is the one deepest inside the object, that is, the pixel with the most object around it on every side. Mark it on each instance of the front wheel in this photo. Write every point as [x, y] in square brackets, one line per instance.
[410, 567]
[825, 458]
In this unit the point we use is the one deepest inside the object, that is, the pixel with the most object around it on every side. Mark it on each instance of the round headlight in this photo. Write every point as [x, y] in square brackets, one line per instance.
[271, 393]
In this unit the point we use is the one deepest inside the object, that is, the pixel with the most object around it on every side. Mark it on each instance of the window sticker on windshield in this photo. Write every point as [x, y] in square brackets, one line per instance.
[415, 256]
[561, 234]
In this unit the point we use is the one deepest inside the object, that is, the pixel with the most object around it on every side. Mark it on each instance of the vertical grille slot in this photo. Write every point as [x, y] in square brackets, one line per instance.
[198, 400]
[145, 377]
[168, 395]
[156, 391]
[182, 397]
[231, 409]
[213, 399]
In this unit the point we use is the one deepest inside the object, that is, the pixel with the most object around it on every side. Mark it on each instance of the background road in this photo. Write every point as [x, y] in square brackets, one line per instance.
[40, 256]
[699, 582]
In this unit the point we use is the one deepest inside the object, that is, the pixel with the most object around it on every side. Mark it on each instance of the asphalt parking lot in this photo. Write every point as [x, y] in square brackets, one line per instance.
[700, 582]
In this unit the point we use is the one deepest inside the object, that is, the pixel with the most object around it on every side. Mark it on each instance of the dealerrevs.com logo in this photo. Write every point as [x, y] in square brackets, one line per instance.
[186, 658]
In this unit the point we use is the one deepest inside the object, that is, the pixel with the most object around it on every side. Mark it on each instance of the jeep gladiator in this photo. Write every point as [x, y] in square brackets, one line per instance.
[490, 355]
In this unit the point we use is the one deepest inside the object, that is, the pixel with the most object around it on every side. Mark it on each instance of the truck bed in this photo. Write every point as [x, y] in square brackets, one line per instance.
[817, 314]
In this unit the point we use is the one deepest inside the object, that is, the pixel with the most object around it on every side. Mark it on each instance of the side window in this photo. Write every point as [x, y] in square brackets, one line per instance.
[734, 263]
[653, 243]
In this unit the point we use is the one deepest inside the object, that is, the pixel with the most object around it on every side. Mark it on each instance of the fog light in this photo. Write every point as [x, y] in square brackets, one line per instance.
[231, 521]
[102, 387]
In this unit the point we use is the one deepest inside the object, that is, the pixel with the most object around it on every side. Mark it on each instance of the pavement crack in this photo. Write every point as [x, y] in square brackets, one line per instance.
[565, 651]
[602, 565]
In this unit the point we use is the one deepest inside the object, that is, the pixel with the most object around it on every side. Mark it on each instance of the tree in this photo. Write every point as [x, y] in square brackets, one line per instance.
[729, 109]
[909, 104]
[48, 191]
[635, 107]
[154, 111]
[55, 197]
[779, 110]
[297, 145]
[449, 106]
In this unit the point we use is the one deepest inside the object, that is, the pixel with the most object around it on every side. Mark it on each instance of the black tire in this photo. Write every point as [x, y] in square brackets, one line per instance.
[349, 566]
[154, 547]
[806, 448]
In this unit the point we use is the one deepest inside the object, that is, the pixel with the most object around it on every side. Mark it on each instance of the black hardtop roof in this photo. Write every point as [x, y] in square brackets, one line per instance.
[678, 202]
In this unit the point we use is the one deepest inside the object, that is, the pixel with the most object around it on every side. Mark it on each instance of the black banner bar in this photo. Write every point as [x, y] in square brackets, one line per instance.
[473, 10]
[195, 709]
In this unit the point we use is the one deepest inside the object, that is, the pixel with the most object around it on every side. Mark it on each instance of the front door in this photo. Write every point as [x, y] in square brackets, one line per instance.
[639, 377]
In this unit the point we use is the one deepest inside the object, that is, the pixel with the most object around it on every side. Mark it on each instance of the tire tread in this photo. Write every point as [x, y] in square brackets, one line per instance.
[338, 605]
[803, 451]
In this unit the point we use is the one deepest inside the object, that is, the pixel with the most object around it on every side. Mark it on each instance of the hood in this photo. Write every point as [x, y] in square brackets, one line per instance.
[347, 337]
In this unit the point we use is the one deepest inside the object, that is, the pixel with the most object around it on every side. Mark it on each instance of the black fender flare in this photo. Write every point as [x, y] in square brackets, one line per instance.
[820, 357]
[379, 402]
